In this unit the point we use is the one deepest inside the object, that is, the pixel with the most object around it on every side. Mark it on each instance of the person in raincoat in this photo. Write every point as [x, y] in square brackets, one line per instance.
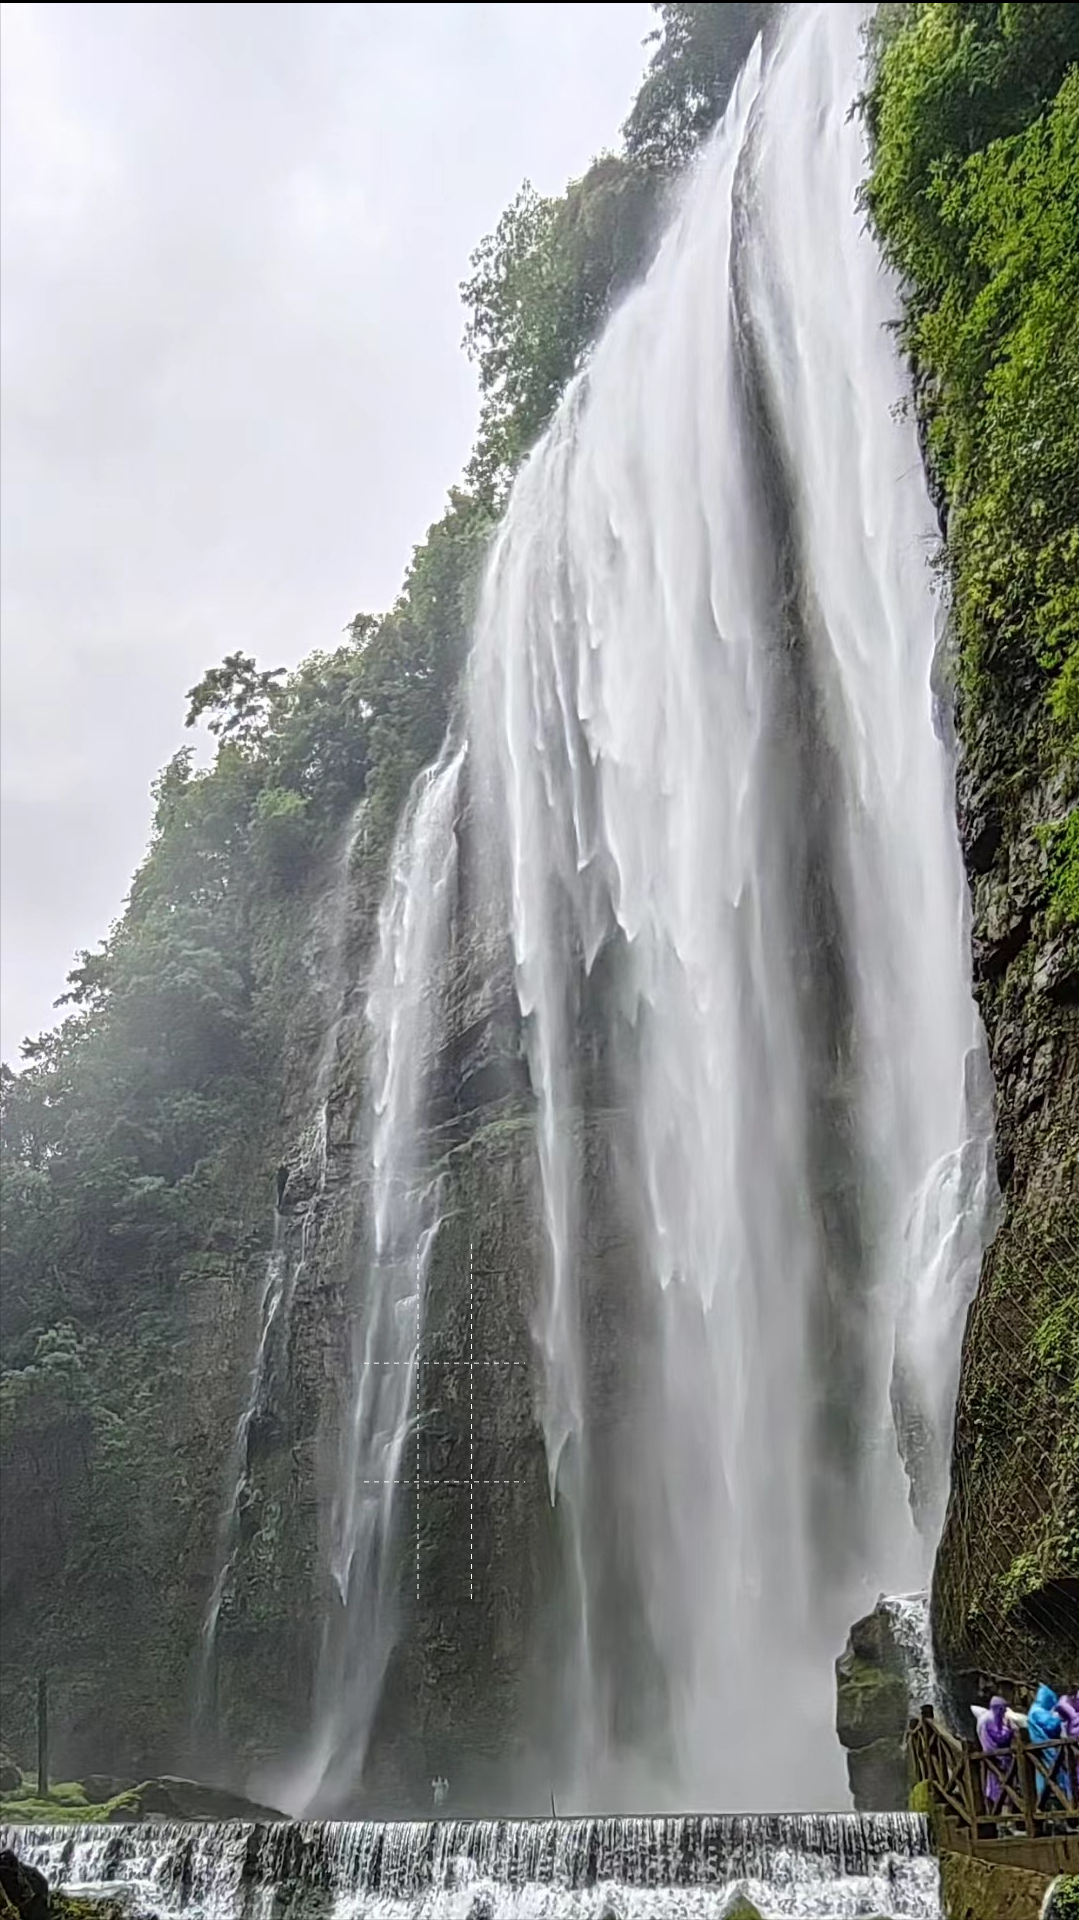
[1068, 1709]
[995, 1736]
[1044, 1724]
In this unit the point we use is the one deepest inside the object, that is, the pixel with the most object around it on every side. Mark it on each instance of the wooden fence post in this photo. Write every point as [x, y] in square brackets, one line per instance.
[1027, 1781]
[42, 1735]
[972, 1783]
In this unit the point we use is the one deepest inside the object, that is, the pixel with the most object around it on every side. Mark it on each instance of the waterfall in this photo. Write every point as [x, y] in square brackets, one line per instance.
[909, 1614]
[379, 1454]
[710, 761]
[682, 1868]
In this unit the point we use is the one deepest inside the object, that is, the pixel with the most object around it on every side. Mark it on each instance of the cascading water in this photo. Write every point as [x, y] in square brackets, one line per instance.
[376, 1464]
[707, 757]
[909, 1614]
[833, 1867]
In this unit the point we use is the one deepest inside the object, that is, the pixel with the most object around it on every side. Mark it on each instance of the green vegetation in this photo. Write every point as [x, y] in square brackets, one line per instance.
[140, 1139]
[64, 1805]
[974, 117]
[973, 113]
[1064, 1904]
[921, 1798]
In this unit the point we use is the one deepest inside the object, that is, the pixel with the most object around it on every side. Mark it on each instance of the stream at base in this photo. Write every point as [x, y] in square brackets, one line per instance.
[843, 1866]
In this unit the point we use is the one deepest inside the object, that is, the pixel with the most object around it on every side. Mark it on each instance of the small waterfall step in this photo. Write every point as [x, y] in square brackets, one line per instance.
[688, 1867]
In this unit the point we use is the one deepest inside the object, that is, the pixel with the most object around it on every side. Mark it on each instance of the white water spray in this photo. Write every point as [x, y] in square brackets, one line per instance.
[831, 1868]
[706, 652]
[378, 1464]
[705, 750]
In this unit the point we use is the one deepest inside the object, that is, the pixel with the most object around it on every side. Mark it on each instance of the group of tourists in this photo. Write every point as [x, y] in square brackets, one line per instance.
[1049, 1717]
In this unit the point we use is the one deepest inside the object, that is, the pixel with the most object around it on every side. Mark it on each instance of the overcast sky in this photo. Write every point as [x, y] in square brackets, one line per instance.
[233, 390]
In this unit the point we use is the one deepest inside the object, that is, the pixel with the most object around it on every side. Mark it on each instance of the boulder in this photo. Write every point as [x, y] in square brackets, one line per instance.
[739, 1906]
[878, 1777]
[124, 1814]
[25, 1889]
[872, 1710]
[871, 1703]
[171, 1798]
[99, 1787]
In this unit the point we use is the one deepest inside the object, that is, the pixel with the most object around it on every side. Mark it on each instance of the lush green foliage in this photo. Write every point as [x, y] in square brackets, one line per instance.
[699, 52]
[540, 286]
[975, 191]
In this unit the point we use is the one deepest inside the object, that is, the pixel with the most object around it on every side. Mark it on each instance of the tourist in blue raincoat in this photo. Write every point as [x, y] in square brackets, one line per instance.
[1044, 1723]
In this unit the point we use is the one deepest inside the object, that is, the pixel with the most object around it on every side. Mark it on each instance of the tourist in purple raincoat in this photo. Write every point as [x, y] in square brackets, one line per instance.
[995, 1736]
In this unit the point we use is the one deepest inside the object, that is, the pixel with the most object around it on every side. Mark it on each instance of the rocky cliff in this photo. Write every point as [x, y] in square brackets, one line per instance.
[974, 121]
[1006, 1590]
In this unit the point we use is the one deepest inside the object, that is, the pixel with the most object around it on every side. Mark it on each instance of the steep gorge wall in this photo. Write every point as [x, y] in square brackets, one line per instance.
[974, 192]
[1006, 1588]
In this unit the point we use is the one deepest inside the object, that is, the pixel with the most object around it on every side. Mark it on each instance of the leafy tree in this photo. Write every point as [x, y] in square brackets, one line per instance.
[690, 76]
[238, 698]
[540, 289]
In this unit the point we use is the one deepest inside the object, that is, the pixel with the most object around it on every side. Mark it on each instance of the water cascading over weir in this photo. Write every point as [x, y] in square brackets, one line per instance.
[684, 1868]
[675, 1170]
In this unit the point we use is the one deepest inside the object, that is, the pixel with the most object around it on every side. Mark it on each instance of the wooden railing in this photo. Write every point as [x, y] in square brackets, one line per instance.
[1025, 1798]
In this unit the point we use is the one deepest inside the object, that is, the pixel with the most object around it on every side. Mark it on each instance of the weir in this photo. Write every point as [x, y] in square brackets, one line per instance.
[686, 1866]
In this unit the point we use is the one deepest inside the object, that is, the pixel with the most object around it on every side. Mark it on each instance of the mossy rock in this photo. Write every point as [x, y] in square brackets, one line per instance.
[24, 1809]
[871, 1703]
[101, 1787]
[65, 1906]
[872, 1640]
[69, 1793]
[739, 1906]
[973, 1890]
[878, 1776]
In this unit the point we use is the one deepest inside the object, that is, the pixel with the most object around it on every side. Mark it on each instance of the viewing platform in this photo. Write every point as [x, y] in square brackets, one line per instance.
[1017, 1808]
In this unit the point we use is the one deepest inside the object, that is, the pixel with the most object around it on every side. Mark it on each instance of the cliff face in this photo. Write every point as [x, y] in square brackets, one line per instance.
[459, 1678]
[974, 120]
[1006, 1588]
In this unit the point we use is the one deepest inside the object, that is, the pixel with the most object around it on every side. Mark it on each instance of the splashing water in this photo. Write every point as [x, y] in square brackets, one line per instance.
[686, 1868]
[403, 1017]
[707, 760]
[909, 1613]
